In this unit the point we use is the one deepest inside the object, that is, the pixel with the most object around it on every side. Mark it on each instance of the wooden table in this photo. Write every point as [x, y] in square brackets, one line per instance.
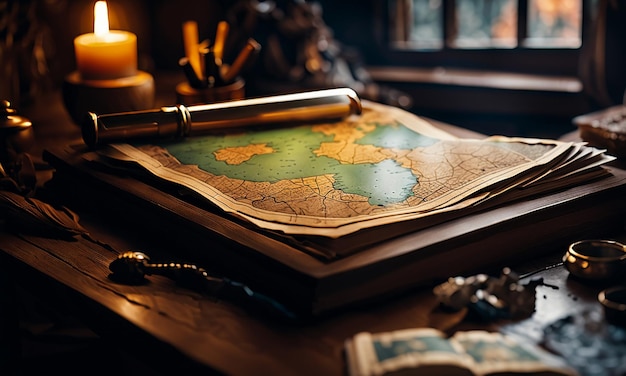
[183, 331]
[178, 330]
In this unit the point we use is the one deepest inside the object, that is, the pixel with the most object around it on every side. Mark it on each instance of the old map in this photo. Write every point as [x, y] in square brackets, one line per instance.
[332, 179]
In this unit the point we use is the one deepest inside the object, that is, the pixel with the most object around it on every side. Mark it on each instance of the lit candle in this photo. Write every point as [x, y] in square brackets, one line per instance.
[105, 54]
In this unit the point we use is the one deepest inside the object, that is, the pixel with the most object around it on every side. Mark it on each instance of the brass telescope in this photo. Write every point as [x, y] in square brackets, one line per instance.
[183, 121]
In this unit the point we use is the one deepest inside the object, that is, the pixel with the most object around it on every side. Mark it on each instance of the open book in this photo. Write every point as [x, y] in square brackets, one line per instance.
[427, 351]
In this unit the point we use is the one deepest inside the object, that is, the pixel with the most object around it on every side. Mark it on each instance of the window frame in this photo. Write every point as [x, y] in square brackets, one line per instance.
[519, 59]
[518, 91]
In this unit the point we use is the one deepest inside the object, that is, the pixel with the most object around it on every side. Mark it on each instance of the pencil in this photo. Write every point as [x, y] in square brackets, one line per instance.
[212, 68]
[248, 52]
[190, 41]
[220, 40]
[203, 47]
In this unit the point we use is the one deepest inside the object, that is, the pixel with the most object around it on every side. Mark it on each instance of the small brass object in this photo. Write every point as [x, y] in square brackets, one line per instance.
[613, 300]
[16, 133]
[596, 259]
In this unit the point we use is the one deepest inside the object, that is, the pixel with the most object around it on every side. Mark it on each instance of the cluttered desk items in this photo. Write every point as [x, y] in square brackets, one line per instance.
[335, 212]
[570, 345]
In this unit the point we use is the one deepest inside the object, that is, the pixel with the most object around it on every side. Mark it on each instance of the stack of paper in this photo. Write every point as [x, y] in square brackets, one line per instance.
[386, 167]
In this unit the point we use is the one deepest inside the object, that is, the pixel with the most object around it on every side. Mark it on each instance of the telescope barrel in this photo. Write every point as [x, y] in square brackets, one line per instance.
[183, 121]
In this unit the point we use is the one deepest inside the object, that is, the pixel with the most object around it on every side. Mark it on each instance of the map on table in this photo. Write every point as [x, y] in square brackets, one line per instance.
[332, 179]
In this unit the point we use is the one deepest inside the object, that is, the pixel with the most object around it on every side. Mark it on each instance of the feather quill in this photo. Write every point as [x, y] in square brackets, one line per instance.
[30, 215]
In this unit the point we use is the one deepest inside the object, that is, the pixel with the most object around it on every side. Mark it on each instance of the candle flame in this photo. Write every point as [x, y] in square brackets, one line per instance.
[101, 19]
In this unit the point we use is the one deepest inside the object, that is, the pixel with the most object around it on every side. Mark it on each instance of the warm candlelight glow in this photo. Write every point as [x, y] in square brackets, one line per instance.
[107, 78]
[105, 54]
[101, 19]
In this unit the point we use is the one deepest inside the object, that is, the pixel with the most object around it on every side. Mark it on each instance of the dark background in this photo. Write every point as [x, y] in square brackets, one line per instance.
[36, 41]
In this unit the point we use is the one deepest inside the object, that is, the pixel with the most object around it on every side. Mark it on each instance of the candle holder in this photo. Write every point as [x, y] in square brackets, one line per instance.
[124, 94]
[188, 95]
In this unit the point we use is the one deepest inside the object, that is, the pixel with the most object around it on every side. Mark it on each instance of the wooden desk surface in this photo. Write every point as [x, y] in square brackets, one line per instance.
[183, 330]
[180, 328]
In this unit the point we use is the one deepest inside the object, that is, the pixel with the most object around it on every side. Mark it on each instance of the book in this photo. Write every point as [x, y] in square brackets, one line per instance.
[427, 351]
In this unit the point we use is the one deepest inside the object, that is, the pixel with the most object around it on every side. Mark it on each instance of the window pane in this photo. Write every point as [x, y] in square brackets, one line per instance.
[417, 24]
[554, 23]
[486, 23]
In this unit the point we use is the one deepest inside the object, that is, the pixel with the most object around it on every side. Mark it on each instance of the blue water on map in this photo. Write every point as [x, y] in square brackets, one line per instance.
[396, 137]
[293, 157]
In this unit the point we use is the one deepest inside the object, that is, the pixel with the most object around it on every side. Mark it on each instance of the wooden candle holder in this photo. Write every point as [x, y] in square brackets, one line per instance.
[125, 94]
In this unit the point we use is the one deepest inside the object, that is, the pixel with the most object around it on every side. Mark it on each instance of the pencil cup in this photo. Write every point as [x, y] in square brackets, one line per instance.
[124, 94]
[187, 95]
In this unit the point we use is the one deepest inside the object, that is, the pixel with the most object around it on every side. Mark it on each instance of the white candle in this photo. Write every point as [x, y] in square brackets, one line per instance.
[105, 54]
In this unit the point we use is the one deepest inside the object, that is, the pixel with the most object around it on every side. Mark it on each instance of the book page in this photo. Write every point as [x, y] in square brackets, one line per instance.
[495, 353]
[412, 351]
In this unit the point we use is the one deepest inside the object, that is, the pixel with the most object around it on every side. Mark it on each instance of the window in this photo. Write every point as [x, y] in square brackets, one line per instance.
[495, 66]
[529, 36]
[420, 24]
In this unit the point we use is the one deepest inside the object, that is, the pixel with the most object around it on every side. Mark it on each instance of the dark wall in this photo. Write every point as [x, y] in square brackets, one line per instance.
[42, 32]
[359, 24]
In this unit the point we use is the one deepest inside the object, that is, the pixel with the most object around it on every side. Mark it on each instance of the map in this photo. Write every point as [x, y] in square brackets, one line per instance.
[331, 179]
